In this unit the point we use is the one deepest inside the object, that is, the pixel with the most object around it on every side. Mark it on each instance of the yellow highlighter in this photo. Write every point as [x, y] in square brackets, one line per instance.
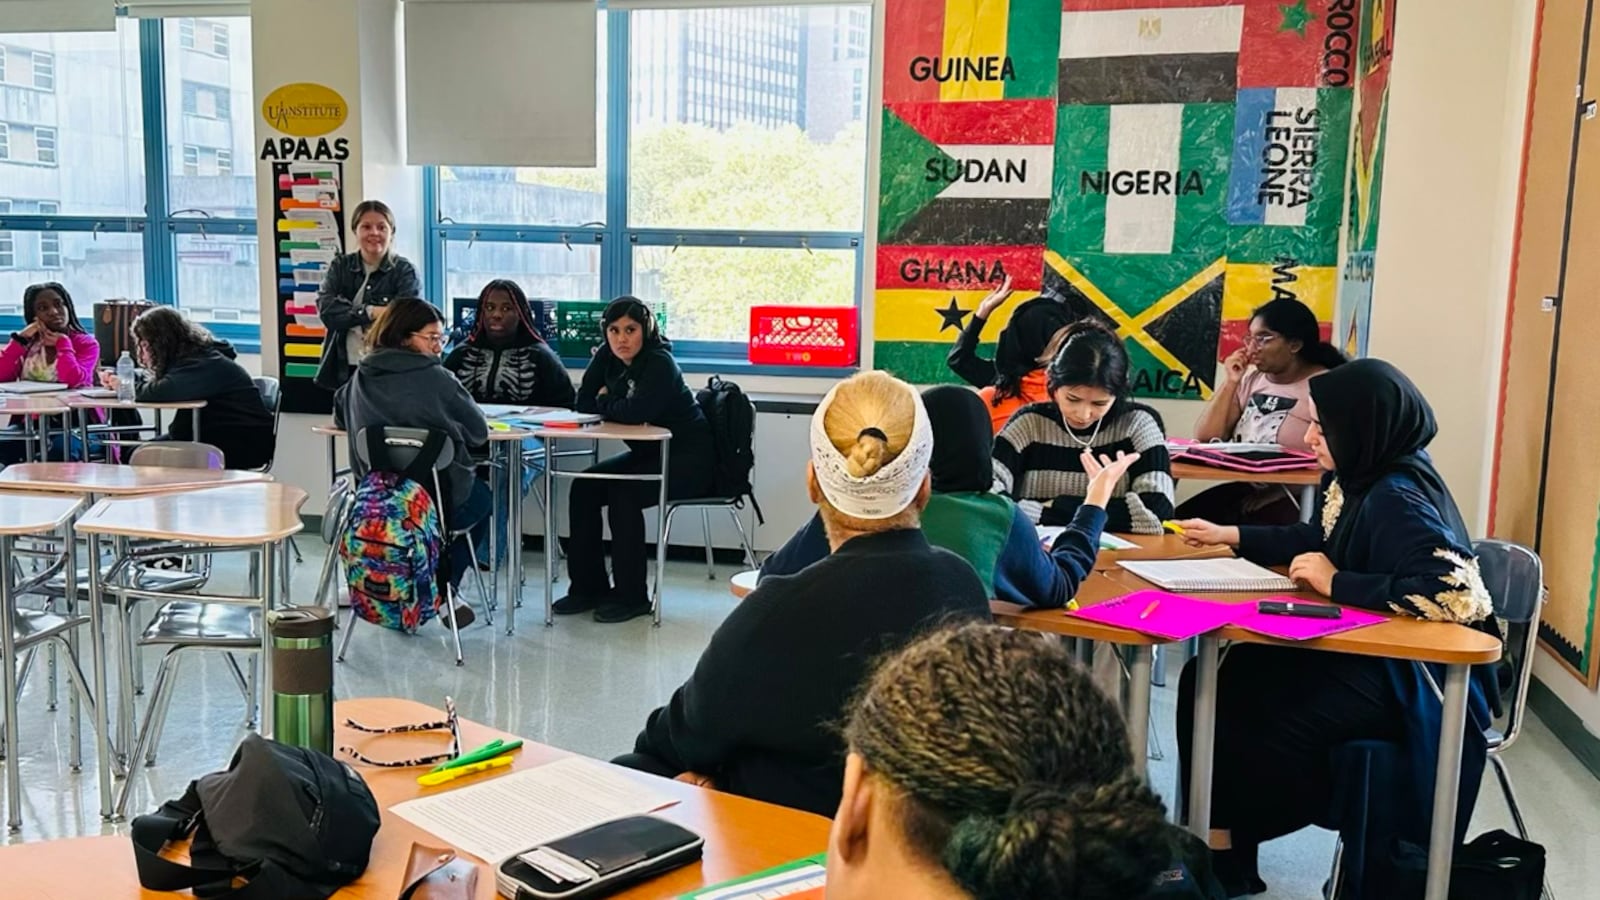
[1173, 527]
[440, 777]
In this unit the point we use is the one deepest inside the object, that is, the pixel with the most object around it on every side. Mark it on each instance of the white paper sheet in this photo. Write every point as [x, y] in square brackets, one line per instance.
[502, 817]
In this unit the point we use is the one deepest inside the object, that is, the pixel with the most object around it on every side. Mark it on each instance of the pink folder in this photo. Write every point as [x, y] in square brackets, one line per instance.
[1301, 628]
[1175, 617]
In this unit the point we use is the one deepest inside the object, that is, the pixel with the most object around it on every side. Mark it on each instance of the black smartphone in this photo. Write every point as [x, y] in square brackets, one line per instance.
[1304, 610]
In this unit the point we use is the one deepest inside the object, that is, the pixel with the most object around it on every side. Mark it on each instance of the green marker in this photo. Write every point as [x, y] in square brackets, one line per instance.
[487, 751]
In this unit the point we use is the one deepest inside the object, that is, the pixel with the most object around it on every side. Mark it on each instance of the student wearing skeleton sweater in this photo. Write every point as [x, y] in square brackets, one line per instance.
[1038, 456]
[505, 360]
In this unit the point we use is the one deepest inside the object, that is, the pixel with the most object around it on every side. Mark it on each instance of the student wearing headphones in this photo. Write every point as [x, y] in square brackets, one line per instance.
[634, 380]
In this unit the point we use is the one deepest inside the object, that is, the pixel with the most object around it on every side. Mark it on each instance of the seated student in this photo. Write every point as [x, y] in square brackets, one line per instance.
[1037, 801]
[1264, 398]
[759, 714]
[1389, 538]
[400, 383]
[986, 529]
[1039, 455]
[52, 347]
[183, 361]
[632, 379]
[1027, 343]
[505, 360]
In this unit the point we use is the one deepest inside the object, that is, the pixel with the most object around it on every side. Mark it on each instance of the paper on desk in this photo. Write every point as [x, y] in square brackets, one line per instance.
[500, 818]
[1049, 533]
[499, 410]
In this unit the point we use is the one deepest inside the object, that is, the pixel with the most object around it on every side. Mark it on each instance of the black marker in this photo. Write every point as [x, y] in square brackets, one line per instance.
[1304, 610]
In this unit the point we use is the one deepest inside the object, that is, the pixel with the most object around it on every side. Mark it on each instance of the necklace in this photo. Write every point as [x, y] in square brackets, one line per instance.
[1080, 441]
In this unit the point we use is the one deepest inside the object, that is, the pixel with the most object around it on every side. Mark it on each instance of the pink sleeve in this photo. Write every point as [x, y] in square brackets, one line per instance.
[11, 360]
[75, 368]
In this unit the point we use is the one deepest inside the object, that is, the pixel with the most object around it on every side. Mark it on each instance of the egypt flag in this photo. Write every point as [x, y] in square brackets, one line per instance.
[1147, 179]
[926, 295]
[959, 174]
[948, 50]
[1177, 51]
[1165, 308]
[1305, 43]
[1290, 147]
[1248, 287]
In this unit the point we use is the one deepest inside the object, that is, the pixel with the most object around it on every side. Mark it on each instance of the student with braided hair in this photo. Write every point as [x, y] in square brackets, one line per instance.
[759, 715]
[1037, 799]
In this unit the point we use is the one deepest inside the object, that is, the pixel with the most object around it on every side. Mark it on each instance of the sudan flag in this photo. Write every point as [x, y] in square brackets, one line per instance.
[960, 174]
[1249, 286]
[1147, 179]
[1178, 51]
[1167, 310]
[969, 50]
[1286, 192]
[926, 295]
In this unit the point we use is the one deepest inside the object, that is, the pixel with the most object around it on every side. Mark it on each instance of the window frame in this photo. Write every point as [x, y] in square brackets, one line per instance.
[618, 239]
[8, 238]
[49, 60]
[5, 141]
[221, 41]
[50, 239]
[160, 225]
[40, 132]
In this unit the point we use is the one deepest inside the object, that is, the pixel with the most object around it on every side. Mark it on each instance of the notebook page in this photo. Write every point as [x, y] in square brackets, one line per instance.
[1224, 574]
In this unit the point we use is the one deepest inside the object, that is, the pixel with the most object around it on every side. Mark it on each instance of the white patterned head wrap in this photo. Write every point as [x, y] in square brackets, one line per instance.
[884, 493]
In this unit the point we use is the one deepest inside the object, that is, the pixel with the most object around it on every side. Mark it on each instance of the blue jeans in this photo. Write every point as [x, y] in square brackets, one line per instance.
[12, 451]
[472, 513]
[532, 467]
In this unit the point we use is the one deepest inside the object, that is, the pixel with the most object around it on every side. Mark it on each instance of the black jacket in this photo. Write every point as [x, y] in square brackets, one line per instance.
[527, 375]
[760, 713]
[233, 420]
[341, 310]
[648, 391]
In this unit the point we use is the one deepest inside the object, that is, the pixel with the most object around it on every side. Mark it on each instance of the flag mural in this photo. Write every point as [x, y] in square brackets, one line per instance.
[1164, 165]
[1374, 50]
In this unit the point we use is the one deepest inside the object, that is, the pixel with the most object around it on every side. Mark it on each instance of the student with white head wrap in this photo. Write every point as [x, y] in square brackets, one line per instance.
[758, 716]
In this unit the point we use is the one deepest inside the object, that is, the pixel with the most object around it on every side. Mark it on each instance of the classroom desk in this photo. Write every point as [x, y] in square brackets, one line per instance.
[32, 409]
[603, 431]
[1306, 479]
[258, 517]
[742, 836]
[83, 405]
[1456, 647]
[111, 480]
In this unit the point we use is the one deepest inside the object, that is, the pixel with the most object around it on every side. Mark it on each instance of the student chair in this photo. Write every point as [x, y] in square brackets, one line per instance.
[272, 398]
[403, 450]
[1363, 770]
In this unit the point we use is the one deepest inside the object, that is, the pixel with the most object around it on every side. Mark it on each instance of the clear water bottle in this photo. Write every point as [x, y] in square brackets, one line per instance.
[125, 378]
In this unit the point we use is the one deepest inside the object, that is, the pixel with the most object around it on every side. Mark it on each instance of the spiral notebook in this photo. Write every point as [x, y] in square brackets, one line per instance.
[1208, 575]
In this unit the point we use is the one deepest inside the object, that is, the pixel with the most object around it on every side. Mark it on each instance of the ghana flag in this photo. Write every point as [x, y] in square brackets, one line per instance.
[960, 174]
[969, 50]
[926, 294]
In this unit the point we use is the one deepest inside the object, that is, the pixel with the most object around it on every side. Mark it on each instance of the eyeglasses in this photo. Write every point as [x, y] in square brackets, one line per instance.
[450, 722]
[435, 338]
[1262, 339]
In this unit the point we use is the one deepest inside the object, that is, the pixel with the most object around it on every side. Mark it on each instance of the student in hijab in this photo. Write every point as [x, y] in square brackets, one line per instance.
[986, 529]
[1389, 537]
[1016, 377]
[760, 714]
[634, 380]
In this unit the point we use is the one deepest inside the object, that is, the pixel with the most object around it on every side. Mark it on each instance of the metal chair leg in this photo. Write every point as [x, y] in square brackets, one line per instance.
[160, 704]
[1336, 874]
[705, 523]
[483, 593]
[349, 629]
[296, 548]
[1504, 777]
[141, 744]
[455, 629]
[744, 539]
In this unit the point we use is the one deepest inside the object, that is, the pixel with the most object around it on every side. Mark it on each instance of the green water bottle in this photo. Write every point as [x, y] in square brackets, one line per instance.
[302, 677]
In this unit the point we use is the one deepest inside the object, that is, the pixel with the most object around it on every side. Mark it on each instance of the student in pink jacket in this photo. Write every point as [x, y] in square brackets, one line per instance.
[53, 346]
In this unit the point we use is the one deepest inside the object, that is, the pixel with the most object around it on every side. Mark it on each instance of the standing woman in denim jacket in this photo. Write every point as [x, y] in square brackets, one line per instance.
[356, 287]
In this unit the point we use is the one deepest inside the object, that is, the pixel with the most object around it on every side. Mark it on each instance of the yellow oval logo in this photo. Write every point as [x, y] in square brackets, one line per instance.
[304, 109]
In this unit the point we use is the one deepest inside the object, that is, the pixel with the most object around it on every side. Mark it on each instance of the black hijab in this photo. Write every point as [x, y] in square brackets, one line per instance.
[1027, 334]
[1376, 422]
[963, 440]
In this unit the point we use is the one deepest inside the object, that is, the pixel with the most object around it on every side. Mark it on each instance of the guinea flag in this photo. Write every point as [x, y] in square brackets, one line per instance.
[959, 174]
[969, 50]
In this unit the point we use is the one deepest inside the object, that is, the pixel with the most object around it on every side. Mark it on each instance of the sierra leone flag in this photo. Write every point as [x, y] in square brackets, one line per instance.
[1169, 52]
[1143, 179]
[957, 174]
[1290, 147]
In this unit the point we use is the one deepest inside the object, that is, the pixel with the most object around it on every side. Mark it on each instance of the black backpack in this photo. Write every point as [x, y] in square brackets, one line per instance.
[295, 823]
[733, 426]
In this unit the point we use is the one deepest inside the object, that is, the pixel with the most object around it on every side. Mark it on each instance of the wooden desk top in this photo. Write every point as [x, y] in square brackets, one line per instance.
[612, 431]
[1197, 472]
[742, 836]
[114, 480]
[495, 434]
[46, 404]
[78, 401]
[233, 514]
[22, 513]
[1401, 637]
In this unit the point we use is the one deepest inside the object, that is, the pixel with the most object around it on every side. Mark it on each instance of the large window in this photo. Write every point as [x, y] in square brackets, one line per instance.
[732, 174]
[84, 205]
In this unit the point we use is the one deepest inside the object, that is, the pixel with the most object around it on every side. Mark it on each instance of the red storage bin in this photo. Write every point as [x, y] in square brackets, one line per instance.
[803, 335]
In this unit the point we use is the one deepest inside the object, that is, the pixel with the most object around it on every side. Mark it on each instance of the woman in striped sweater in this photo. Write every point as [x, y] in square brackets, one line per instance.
[1038, 456]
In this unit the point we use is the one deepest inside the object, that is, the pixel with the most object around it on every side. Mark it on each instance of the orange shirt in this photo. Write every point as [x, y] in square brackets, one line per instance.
[1033, 391]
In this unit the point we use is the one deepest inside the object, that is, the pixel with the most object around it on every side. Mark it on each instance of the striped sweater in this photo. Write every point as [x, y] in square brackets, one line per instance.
[1038, 464]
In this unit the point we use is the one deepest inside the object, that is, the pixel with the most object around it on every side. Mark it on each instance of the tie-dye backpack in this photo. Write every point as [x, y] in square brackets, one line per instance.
[391, 548]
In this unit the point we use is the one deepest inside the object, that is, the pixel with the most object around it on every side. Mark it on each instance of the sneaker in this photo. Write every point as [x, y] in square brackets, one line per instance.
[622, 611]
[575, 602]
[463, 615]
